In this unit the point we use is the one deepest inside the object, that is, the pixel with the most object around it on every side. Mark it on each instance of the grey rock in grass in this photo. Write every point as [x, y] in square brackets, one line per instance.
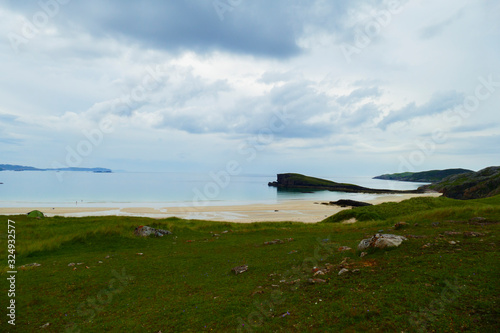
[145, 231]
[240, 269]
[381, 241]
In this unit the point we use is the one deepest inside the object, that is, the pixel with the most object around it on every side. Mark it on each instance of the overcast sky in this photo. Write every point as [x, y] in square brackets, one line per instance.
[319, 87]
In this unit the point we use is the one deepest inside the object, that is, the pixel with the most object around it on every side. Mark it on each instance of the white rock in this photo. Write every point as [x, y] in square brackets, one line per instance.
[381, 241]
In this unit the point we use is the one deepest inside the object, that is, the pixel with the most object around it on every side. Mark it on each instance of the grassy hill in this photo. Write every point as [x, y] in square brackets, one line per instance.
[438, 280]
[424, 176]
[482, 184]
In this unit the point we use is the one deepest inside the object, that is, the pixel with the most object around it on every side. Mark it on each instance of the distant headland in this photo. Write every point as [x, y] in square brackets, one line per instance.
[297, 181]
[432, 176]
[11, 167]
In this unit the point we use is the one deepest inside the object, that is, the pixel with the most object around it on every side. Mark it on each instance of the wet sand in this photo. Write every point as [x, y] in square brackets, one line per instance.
[294, 211]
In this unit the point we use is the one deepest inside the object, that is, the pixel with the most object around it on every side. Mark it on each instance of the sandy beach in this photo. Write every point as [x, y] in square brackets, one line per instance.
[295, 211]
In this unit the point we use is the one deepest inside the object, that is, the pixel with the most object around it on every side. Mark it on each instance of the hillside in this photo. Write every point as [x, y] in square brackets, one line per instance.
[482, 184]
[300, 182]
[93, 275]
[432, 176]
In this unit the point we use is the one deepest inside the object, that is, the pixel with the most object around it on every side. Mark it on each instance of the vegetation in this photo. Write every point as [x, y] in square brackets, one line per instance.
[482, 184]
[300, 182]
[424, 176]
[183, 282]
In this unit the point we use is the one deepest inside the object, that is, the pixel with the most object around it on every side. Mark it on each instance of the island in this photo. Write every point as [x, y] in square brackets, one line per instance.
[431, 176]
[11, 167]
[295, 181]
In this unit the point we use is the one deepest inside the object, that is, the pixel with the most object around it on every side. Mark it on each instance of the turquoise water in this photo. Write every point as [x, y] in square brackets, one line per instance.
[127, 189]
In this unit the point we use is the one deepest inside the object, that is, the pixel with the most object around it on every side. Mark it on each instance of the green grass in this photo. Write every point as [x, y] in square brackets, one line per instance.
[303, 180]
[183, 282]
[392, 211]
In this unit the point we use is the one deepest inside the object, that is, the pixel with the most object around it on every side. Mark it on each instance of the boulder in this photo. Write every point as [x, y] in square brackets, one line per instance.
[145, 231]
[240, 269]
[381, 241]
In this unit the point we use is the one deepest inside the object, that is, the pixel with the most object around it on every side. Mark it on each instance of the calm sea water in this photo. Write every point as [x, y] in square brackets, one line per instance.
[127, 189]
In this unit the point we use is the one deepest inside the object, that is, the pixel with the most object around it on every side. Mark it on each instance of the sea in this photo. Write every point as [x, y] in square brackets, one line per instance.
[164, 189]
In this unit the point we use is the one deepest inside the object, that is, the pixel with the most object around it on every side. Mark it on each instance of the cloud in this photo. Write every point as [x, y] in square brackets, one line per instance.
[176, 26]
[433, 30]
[359, 94]
[438, 103]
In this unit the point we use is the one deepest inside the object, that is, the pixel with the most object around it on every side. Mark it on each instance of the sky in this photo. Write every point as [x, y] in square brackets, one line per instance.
[359, 87]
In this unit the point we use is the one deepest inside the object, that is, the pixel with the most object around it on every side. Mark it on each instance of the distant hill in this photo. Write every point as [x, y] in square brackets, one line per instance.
[297, 181]
[11, 167]
[482, 184]
[432, 176]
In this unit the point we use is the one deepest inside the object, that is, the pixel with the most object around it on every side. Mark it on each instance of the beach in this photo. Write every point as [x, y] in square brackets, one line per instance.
[306, 211]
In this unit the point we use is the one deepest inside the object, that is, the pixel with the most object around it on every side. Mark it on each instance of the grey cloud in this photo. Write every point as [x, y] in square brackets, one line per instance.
[359, 94]
[439, 102]
[298, 102]
[259, 28]
[435, 29]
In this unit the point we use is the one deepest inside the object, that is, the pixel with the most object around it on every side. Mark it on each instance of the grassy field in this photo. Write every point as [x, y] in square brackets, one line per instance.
[183, 282]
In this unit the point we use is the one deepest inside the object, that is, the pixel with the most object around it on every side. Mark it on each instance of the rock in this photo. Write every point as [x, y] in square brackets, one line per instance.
[240, 269]
[31, 265]
[343, 270]
[400, 225]
[145, 231]
[469, 234]
[278, 241]
[345, 262]
[352, 203]
[293, 282]
[381, 241]
[344, 248]
[319, 273]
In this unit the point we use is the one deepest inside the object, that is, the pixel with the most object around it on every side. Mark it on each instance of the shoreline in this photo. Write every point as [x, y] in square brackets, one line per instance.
[306, 211]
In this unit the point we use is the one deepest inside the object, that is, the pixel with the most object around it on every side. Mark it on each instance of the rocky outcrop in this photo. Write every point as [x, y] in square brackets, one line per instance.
[482, 184]
[351, 203]
[300, 182]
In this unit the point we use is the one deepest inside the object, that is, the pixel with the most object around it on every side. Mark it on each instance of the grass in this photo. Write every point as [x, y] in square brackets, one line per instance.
[183, 282]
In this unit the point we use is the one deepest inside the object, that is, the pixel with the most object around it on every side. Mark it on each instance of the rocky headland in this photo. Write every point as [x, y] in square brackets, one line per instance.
[297, 181]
